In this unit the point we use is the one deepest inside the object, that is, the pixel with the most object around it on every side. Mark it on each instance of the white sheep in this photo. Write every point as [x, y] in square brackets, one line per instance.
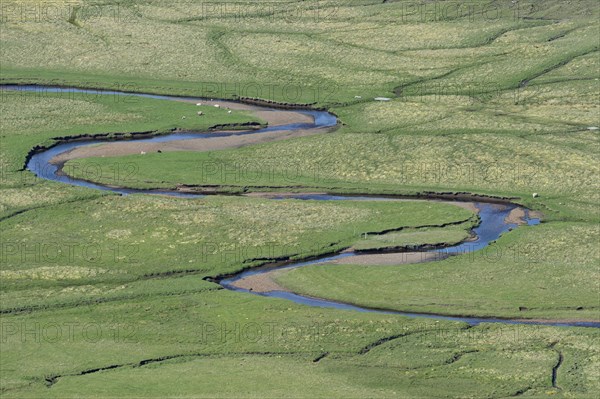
[535, 195]
[229, 111]
[200, 113]
[198, 104]
[217, 106]
[143, 152]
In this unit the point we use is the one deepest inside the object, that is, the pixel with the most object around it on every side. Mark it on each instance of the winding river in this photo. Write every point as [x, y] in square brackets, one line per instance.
[493, 215]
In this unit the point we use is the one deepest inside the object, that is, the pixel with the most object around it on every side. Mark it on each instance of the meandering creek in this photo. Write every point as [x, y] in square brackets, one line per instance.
[494, 214]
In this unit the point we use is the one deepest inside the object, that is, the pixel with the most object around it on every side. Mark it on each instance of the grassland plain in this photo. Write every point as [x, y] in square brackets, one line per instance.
[495, 102]
[549, 281]
[115, 240]
[41, 118]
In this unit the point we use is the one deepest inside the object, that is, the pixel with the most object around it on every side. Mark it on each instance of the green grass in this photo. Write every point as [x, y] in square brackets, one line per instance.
[211, 357]
[528, 269]
[35, 118]
[416, 237]
[55, 255]
[561, 168]
[497, 106]
[292, 53]
[38, 118]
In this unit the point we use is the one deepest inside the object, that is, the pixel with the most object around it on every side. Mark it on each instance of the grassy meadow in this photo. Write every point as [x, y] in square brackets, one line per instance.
[105, 295]
[52, 256]
[41, 118]
[525, 274]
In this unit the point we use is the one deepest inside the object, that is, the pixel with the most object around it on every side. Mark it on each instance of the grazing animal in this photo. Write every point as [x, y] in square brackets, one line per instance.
[217, 106]
[198, 104]
[143, 152]
[359, 97]
[159, 151]
[535, 195]
[229, 111]
[200, 113]
[183, 117]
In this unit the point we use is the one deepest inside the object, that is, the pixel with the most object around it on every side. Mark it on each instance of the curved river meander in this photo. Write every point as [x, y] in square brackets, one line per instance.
[493, 216]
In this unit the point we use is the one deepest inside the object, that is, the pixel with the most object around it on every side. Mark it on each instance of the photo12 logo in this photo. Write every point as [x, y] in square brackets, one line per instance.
[286, 12]
[284, 93]
[67, 253]
[116, 173]
[259, 172]
[65, 332]
[120, 92]
[73, 12]
[468, 11]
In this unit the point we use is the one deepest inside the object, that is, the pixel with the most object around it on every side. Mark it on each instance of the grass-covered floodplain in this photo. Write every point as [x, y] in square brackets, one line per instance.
[80, 252]
[42, 118]
[285, 350]
[104, 296]
[525, 274]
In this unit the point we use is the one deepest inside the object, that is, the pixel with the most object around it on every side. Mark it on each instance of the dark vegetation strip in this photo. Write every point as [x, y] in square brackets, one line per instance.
[52, 379]
[453, 359]
[320, 357]
[98, 301]
[385, 340]
[559, 362]
[563, 34]
[457, 356]
[398, 91]
[425, 226]
[557, 65]
[274, 262]
[520, 392]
